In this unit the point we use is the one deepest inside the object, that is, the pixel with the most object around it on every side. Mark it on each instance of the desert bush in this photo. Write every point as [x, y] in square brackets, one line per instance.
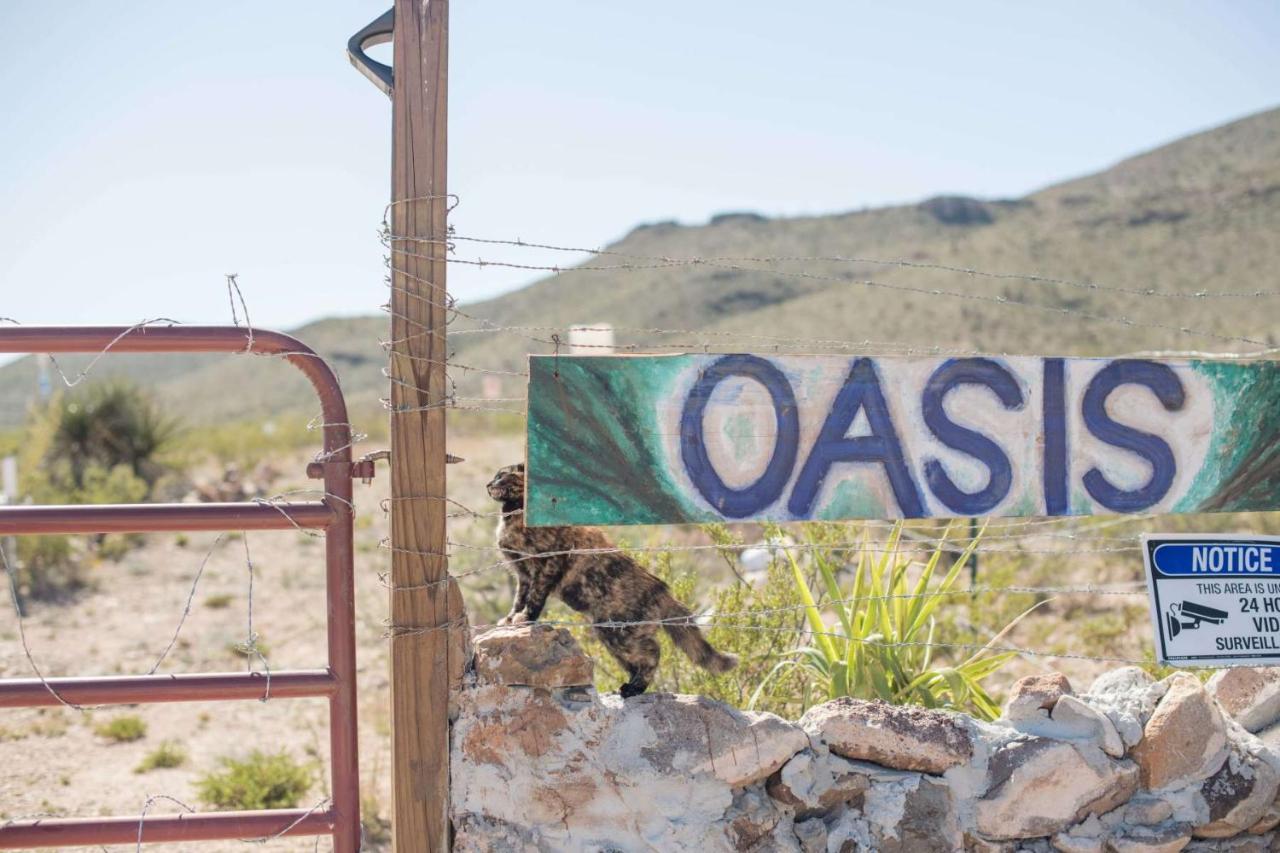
[260, 781]
[166, 755]
[123, 729]
[757, 622]
[108, 426]
[375, 827]
[100, 446]
[884, 642]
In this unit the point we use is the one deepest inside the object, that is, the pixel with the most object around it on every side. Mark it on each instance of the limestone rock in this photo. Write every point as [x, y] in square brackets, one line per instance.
[1185, 738]
[753, 820]
[1038, 787]
[1071, 719]
[814, 783]
[899, 737]
[1243, 844]
[1147, 811]
[1270, 739]
[1077, 717]
[1168, 838]
[1070, 843]
[1238, 796]
[531, 655]
[926, 825]
[693, 734]
[1127, 696]
[1033, 693]
[910, 813]
[1251, 696]
[575, 771]
[812, 835]
[1270, 820]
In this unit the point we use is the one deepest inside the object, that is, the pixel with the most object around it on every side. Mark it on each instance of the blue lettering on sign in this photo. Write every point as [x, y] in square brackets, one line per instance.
[1167, 387]
[1056, 493]
[740, 503]
[1216, 558]
[952, 374]
[860, 392]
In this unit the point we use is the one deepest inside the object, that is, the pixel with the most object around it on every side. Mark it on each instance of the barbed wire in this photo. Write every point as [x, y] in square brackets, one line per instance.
[20, 620]
[233, 287]
[186, 610]
[1060, 310]
[852, 259]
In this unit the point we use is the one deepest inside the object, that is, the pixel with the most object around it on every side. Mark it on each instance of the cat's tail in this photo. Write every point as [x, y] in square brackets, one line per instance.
[690, 640]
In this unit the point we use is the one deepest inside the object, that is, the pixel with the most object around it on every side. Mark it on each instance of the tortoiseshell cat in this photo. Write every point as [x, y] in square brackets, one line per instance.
[608, 587]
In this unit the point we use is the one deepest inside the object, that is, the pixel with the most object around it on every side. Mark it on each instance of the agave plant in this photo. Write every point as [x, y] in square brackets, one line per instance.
[882, 642]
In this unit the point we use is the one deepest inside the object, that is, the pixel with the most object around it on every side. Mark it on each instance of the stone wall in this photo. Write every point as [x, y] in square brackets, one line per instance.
[541, 762]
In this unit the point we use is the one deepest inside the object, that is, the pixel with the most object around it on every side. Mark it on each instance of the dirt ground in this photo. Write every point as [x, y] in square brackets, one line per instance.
[55, 764]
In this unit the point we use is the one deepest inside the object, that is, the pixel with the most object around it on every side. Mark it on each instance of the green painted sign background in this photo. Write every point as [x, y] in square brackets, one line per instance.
[703, 437]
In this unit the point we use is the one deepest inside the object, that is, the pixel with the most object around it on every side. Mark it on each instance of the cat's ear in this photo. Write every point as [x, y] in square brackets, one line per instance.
[520, 467]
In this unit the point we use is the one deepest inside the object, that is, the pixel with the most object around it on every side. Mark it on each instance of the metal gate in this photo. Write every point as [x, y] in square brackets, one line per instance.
[333, 515]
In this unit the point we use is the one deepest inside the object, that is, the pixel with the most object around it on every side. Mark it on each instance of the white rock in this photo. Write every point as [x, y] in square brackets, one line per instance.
[1068, 843]
[1040, 787]
[1147, 811]
[599, 773]
[1072, 719]
[1250, 695]
[1169, 838]
[1127, 696]
[1184, 739]
[901, 737]
[1238, 796]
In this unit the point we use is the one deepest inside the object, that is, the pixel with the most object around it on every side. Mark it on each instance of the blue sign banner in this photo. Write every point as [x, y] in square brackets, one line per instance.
[1208, 557]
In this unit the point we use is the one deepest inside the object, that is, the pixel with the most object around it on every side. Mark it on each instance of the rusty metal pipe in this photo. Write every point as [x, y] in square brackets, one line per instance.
[141, 518]
[72, 832]
[139, 689]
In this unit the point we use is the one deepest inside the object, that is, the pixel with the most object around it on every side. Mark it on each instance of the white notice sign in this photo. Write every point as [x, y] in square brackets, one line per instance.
[1215, 599]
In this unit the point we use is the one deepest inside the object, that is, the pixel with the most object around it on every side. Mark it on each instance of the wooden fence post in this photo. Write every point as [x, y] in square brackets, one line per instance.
[424, 602]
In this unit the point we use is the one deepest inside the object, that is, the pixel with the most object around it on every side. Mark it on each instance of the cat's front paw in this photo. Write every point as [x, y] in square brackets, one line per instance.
[513, 619]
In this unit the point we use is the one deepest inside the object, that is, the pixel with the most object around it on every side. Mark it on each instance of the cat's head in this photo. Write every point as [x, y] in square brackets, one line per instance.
[508, 483]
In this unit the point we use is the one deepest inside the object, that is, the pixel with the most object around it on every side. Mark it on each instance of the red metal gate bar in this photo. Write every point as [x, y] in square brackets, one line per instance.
[189, 827]
[137, 689]
[333, 514]
[106, 518]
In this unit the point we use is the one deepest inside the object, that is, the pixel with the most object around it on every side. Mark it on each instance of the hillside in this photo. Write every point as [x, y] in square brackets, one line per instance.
[1199, 214]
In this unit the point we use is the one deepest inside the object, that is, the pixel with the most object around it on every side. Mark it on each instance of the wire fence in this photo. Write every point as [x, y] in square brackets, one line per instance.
[1043, 540]
[473, 556]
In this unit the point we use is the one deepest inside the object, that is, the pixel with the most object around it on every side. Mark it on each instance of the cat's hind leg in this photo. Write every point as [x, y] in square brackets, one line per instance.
[636, 648]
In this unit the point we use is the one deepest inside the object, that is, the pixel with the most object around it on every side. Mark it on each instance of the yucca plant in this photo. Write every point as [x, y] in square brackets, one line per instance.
[882, 642]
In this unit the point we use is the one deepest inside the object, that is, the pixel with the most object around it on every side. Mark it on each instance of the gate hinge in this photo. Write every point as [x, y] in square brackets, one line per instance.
[364, 468]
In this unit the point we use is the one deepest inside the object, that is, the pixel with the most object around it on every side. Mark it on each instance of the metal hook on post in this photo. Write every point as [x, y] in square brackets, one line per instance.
[378, 32]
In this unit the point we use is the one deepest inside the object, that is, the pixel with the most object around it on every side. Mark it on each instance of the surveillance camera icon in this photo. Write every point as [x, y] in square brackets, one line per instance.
[1187, 616]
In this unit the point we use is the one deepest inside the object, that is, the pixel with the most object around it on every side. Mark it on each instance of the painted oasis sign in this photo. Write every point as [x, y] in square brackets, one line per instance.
[691, 438]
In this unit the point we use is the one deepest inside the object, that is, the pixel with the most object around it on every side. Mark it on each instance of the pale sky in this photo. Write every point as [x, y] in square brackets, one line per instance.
[147, 148]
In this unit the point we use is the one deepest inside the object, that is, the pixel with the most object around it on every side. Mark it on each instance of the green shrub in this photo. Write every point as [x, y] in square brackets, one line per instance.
[99, 446]
[884, 644]
[249, 650]
[260, 781]
[758, 623]
[375, 828]
[166, 755]
[108, 426]
[124, 729]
